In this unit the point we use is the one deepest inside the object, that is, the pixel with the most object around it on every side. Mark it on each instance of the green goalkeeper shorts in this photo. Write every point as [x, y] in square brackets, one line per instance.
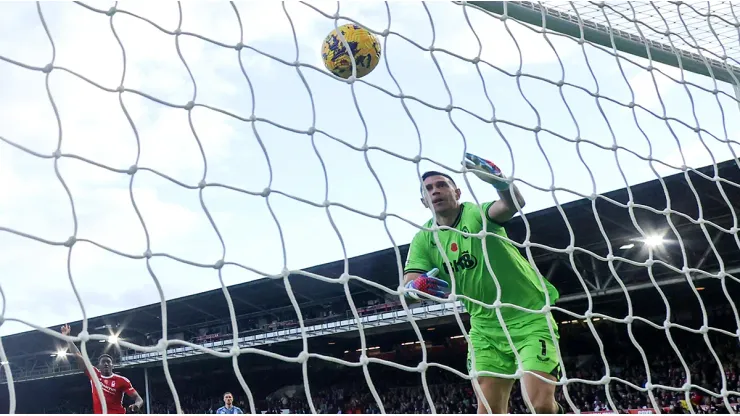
[532, 340]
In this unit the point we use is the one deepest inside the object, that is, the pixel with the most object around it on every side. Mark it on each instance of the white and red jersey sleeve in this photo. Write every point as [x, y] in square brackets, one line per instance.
[124, 385]
[95, 369]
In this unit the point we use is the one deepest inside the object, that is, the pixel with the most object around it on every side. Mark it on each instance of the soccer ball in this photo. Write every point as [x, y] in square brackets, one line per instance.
[364, 45]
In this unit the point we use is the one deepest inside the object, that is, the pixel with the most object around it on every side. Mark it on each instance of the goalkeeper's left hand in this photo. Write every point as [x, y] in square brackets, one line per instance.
[485, 169]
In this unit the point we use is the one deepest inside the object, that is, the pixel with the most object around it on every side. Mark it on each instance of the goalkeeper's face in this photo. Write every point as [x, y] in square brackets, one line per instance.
[441, 194]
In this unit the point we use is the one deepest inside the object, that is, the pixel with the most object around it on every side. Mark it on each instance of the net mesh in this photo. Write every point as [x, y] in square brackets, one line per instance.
[434, 56]
[691, 26]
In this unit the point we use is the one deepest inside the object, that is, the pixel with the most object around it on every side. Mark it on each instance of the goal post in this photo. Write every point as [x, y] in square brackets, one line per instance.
[565, 19]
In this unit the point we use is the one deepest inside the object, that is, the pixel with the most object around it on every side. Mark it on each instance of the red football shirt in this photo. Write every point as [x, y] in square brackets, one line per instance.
[114, 387]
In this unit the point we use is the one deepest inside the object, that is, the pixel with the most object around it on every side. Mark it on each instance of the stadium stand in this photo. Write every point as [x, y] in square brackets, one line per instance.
[267, 320]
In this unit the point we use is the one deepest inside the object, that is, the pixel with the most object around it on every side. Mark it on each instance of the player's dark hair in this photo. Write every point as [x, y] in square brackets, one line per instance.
[229, 393]
[434, 173]
[105, 356]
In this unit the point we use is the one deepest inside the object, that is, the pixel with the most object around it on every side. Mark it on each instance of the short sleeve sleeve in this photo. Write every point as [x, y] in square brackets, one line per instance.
[485, 206]
[126, 386]
[418, 259]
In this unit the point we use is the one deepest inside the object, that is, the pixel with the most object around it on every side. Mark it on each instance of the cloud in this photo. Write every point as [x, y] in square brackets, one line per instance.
[94, 126]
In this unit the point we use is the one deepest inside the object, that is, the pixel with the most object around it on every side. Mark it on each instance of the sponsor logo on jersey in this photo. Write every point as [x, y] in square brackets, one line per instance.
[105, 387]
[465, 261]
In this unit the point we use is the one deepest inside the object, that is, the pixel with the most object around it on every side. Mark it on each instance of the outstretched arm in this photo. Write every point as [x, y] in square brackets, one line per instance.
[505, 208]
[73, 348]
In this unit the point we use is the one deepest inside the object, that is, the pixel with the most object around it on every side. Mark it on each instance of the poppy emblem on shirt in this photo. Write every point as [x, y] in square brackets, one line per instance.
[453, 247]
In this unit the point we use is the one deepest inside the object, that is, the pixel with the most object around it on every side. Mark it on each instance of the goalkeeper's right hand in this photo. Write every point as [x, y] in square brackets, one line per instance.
[428, 284]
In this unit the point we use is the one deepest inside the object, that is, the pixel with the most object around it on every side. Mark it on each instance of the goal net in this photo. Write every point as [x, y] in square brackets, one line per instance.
[153, 151]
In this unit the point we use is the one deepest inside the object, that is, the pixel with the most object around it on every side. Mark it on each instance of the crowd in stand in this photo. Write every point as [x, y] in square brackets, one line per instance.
[450, 394]
[346, 390]
[401, 392]
[459, 398]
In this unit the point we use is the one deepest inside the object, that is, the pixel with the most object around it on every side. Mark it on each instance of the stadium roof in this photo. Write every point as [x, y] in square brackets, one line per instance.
[547, 228]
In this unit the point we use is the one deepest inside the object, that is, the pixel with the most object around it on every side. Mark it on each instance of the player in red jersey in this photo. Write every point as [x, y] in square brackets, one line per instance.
[113, 385]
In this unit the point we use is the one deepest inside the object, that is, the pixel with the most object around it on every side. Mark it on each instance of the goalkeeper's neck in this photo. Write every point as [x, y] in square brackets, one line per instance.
[449, 217]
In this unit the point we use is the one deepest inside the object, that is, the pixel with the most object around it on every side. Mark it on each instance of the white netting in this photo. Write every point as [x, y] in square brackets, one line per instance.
[145, 145]
[691, 26]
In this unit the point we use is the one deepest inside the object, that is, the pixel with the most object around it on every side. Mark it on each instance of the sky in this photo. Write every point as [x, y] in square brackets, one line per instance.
[93, 125]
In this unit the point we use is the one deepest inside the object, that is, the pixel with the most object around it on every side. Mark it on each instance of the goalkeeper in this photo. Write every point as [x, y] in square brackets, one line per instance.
[520, 285]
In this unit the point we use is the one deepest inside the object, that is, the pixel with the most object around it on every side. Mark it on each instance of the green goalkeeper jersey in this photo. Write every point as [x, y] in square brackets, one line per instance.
[520, 283]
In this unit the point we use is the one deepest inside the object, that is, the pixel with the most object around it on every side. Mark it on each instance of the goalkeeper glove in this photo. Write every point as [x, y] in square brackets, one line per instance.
[428, 284]
[484, 169]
